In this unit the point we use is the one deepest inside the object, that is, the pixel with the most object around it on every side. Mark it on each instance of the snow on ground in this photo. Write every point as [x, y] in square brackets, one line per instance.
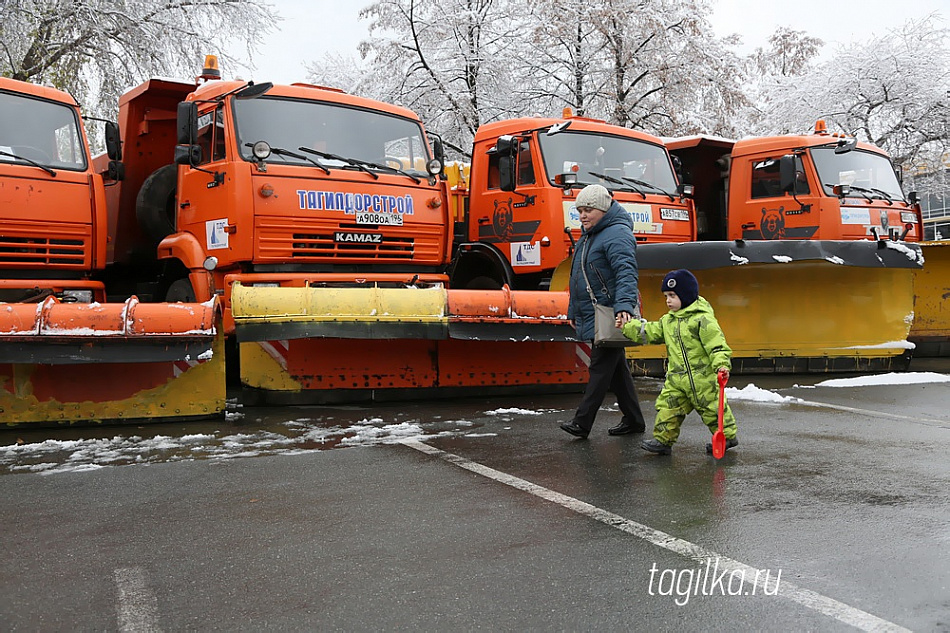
[306, 434]
[911, 378]
[303, 435]
[751, 393]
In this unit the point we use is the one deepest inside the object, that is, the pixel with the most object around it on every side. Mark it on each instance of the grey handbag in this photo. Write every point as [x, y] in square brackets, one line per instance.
[606, 332]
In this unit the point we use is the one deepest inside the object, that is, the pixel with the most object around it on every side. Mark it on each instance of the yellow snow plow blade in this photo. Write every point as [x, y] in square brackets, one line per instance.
[931, 328]
[152, 362]
[262, 313]
[794, 306]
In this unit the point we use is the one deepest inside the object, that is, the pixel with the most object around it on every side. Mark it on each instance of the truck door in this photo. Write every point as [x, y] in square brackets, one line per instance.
[203, 197]
[511, 219]
[762, 210]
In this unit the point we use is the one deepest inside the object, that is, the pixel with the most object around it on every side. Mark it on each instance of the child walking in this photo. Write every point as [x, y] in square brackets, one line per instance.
[696, 350]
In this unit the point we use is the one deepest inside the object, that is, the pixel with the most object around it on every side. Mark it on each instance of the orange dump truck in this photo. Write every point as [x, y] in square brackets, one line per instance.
[152, 361]
[814, 302]
[321, 221]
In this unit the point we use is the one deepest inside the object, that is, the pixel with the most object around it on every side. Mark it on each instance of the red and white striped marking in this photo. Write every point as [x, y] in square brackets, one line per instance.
[181, 366]
[582, 355]
[277, 350]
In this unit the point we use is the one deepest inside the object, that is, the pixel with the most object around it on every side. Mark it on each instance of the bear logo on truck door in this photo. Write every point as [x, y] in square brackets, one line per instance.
[772, 224]
[503, 228]
[501, 220]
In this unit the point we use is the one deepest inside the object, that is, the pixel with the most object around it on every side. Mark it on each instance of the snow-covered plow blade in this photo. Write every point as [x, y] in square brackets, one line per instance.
[67, 363]
[794, 306]
[931, 329]
[315, 344]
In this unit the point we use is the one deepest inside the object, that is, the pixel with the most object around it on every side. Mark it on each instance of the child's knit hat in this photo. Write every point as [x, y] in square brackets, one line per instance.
[683, 283]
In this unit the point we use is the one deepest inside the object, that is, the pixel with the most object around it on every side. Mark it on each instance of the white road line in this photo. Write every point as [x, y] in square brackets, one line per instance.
[136, 606]
[805, 597]
[942, 424]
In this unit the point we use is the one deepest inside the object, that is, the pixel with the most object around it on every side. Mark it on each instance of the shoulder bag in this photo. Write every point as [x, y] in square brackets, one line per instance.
[606, 332]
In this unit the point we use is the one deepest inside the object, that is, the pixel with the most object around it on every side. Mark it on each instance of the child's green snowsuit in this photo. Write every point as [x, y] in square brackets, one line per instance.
[695, 349]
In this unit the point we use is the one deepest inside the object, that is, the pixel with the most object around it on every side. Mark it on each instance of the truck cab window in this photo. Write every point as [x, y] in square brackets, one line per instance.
[525, 164]
[211, 136]
[766, 179]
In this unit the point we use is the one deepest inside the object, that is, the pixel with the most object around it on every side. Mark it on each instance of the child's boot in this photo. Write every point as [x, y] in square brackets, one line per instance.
[656, 446]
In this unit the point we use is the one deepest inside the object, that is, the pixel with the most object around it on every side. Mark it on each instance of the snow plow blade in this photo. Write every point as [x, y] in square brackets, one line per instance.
[320, 345]
[152, 362]
[790, 306]
[262, 314]
[371, 312]
[931, 329]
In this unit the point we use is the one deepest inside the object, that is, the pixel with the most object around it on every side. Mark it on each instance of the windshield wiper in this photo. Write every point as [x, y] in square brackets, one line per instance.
[864, 191]
[885, 194]
[618, 181]
[651, 186]
[30, 161]
[394, 170]
[343, 159]
[279, 151]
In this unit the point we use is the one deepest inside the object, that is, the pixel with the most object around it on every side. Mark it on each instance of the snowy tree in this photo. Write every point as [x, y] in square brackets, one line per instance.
[670, 74]
[789, 53]
[891, 91]
[558, 67]
[446, 59]
[95, 49]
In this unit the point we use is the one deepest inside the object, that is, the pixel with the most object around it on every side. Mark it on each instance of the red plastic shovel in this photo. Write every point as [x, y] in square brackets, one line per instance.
[718, 439]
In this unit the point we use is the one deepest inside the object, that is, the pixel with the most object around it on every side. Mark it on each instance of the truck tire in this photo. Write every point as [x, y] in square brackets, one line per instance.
[155, 203]
[180, 290]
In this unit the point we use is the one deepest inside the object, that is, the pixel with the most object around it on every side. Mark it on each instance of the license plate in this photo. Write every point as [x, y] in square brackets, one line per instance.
[674, 214]
[908, 217]
[374, 217]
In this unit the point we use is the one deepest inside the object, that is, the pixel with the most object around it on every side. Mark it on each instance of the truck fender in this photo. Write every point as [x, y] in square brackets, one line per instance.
[480, 266]
[155, 206]
[186, 248]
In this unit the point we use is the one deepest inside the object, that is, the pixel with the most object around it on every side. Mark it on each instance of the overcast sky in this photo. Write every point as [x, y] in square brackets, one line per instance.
[314, 28]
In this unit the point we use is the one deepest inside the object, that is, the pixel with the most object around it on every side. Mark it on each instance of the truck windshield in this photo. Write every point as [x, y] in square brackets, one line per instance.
[38, 132]
[349, 133]
[865, 171]
[615, 157]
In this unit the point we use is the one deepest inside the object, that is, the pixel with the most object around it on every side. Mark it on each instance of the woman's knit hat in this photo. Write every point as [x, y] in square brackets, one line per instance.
[683, 283]
[595, 197]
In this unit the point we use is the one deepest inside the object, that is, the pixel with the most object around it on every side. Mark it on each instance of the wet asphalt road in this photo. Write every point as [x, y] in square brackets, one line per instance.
[846, 496]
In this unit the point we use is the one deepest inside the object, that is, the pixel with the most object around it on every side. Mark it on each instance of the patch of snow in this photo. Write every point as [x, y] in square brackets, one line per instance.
[911, 378]
[751, 393]
[784, 259]
[515, 411]
[890, 344]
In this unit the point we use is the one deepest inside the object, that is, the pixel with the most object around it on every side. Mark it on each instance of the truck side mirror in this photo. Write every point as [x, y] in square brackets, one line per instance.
[187, 155]
[116, 171]
[113, 141]
[506, 148]
[845, 145]
[787, 173]
[438, 151]
[187, 122]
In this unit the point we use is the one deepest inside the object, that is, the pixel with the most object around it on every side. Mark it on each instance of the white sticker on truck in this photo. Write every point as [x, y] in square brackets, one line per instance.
[525, 254]
[851, 215]
[217, 236]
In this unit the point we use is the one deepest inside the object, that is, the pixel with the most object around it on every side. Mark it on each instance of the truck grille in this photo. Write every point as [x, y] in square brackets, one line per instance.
[34, 250]
[292, 239]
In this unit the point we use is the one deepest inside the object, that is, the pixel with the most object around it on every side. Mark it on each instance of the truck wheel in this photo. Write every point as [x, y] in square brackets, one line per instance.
[155, 203]
[483, 283]
[180, 290]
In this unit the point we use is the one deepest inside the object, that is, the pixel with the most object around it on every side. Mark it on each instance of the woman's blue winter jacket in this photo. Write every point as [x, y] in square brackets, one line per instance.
[609, 250]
